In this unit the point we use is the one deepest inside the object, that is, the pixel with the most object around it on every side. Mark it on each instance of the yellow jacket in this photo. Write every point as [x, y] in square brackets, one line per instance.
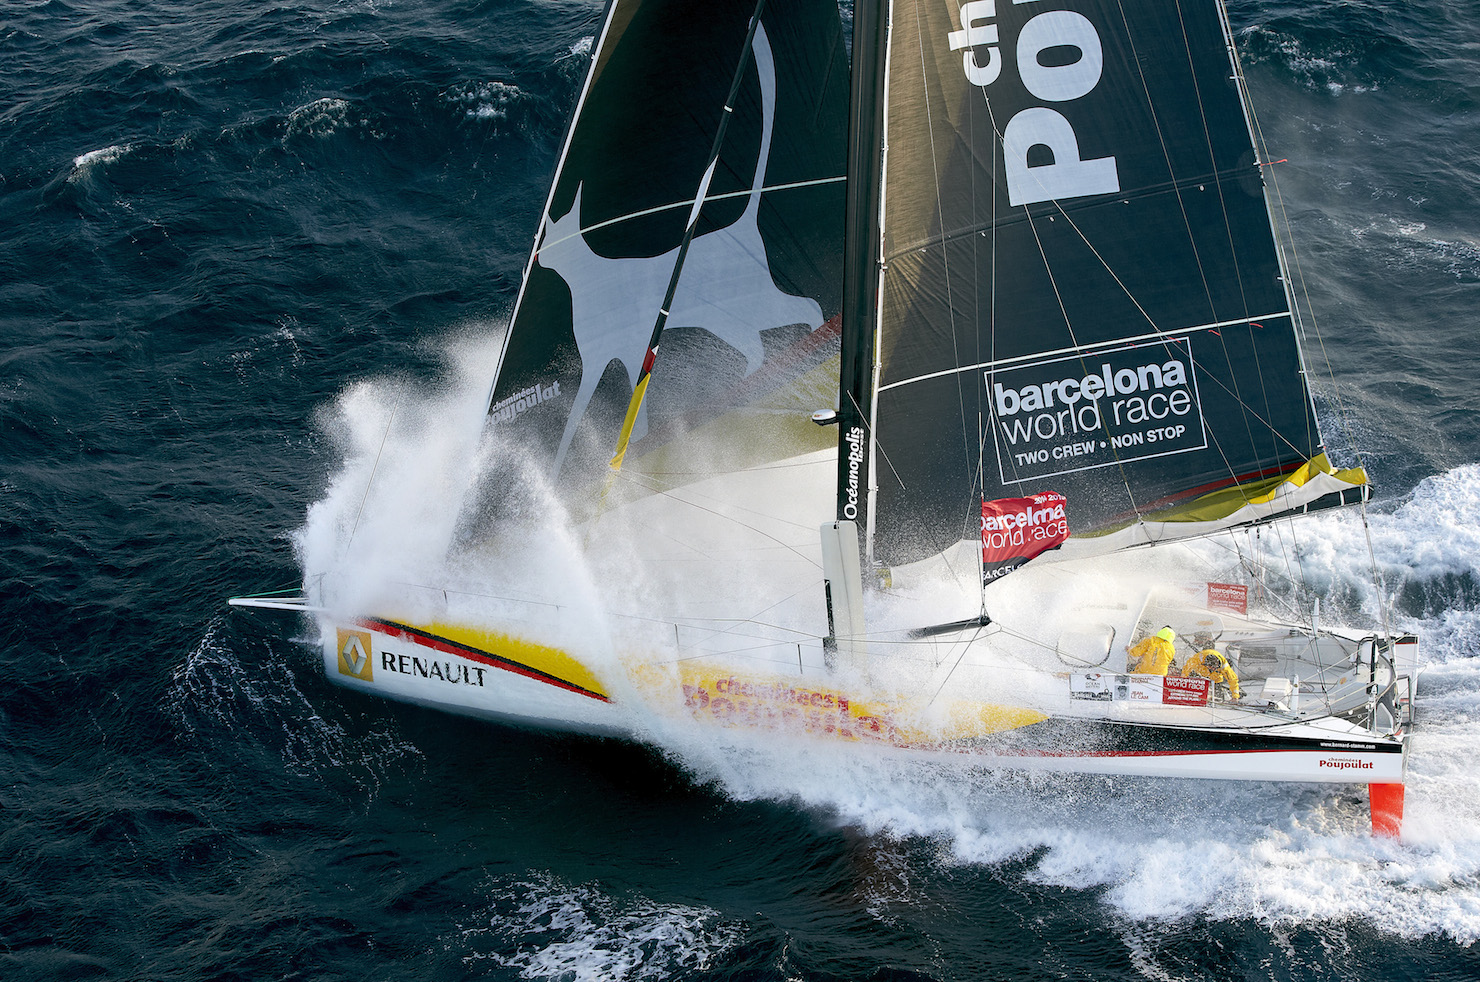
[1151, 656]
[1209, 664]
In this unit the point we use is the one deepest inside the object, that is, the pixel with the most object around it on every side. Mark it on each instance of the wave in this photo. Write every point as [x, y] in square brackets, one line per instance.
[241, 697]
[321, 119]
[84, 166]
[545, 928]
[483, 100]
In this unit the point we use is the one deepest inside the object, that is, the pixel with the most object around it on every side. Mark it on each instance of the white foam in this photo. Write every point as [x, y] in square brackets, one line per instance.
[580, 933]
[319, 119]
[382, 536]
[484, 100]
[1425, 541]
[84, 165]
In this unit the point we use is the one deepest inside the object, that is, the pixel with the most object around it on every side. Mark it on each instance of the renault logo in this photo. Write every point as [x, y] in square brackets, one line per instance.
[354, 655]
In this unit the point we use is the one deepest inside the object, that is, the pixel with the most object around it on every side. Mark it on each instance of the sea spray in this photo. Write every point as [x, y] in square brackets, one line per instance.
[1152, 850]
[1160, 851]
[392, 533]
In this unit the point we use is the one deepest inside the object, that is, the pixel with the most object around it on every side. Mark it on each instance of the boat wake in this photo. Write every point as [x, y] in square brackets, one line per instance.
[1164, 850]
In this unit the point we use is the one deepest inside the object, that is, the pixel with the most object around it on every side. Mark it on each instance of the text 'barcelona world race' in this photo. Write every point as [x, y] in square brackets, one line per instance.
[1058, 57]
[1095, 408]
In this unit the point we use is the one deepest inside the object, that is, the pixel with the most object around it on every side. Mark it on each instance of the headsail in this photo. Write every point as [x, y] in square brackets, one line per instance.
[761, 277]
[1081, 289]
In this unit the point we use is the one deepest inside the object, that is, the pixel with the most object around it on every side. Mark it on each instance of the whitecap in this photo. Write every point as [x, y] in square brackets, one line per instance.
[319, 119]
[484, 100]
[545, 928]
[85, 165]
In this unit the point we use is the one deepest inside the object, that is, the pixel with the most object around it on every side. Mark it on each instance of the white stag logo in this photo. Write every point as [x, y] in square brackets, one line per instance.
[726, 287]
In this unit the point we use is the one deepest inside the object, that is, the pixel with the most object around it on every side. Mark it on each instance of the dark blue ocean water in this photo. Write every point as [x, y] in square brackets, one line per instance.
[229, 229]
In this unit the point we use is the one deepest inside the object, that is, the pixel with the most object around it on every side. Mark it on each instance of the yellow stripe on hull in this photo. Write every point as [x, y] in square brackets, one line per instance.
[541, 658]
[795, 704]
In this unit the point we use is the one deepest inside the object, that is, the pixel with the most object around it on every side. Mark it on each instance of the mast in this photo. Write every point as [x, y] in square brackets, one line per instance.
[861, 258]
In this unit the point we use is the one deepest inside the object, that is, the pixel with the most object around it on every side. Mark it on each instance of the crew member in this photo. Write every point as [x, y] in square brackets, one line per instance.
[1209, 663]
[1153, 655]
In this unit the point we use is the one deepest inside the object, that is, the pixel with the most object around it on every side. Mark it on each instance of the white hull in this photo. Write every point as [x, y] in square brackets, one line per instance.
[525, 687]
[423, 670]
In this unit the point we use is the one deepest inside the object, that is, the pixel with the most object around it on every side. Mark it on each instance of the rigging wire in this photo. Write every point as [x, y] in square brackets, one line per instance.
[1261, 154]
[371, 479]
[1343, 413]
[639, 390]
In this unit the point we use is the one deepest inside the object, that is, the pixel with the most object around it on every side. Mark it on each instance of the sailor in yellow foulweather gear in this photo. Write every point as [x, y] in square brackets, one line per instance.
[1210, 664]
[1152, 655]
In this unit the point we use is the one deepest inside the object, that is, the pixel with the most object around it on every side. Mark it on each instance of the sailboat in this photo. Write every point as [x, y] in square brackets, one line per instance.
[856, 373]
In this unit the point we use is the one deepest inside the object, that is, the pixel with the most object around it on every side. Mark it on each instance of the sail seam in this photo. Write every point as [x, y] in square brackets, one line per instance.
[1026, 215]
[689, 203]
[1083, 349]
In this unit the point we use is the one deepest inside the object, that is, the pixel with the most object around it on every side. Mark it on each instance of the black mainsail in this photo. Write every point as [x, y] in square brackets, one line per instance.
[1081, 292]
[753, 308]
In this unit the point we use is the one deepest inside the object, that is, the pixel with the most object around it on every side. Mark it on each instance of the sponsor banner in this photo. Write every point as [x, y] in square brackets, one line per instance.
[1228, 596]
[1092, 410]
[1015, 530]
[516, 405]
[1151, 690]
[1178, 691]
[1107, 687]
[732, 700]
[1097, 688]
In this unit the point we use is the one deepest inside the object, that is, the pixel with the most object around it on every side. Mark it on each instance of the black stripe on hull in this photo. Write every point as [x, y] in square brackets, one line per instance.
[1082, 738]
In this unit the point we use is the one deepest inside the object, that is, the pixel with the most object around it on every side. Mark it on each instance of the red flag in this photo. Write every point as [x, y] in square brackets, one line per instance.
[1014, 530]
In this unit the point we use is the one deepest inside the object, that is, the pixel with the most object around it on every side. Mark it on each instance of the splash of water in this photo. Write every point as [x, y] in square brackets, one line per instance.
[1152, 849]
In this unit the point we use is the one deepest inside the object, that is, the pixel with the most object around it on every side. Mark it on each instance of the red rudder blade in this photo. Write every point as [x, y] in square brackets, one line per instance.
[1387, 808]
